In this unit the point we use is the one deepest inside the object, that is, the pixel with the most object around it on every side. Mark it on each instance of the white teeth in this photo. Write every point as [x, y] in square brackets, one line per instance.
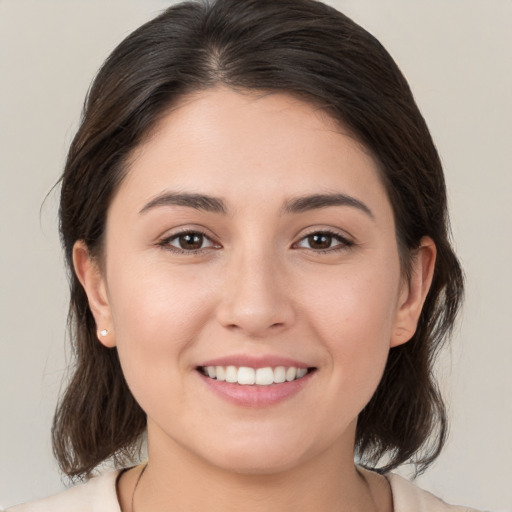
[246, 375]
[221, 373]
[301, 372]
[249, 376]
[279, 374]
[291, 373]
[231, 374]
[264, 376]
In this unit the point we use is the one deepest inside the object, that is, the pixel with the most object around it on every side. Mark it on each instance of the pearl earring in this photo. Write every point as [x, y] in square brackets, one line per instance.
[104, 332]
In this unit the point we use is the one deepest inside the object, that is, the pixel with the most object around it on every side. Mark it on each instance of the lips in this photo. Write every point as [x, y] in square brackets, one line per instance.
[255, 381]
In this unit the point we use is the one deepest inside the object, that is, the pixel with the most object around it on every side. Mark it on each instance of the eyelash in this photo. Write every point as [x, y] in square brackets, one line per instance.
[343, 245]
[166, 242]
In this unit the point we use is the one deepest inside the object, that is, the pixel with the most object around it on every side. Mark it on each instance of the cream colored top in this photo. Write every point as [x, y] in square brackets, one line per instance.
[99, 495]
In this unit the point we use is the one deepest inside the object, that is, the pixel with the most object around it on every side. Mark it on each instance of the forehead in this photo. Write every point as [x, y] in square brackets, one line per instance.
[254, 145]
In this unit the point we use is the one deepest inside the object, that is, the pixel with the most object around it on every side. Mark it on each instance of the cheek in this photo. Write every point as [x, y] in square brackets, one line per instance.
[156, 302]
[354, 300]
[353, 313]
[157, 315]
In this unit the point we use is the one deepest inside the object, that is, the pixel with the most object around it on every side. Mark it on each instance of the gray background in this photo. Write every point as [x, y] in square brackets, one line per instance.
[457, 56]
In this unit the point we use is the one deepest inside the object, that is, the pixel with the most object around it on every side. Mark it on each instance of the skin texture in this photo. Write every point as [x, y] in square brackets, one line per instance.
[257, 286]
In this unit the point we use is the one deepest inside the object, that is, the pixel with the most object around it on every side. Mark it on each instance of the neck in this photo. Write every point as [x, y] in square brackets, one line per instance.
[178, 480]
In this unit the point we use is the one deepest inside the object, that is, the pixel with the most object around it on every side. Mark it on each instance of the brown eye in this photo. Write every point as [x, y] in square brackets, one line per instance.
[319, 241]
[324, 241]
[190, 241]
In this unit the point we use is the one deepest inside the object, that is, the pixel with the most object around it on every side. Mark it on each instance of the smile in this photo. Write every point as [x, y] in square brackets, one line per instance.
[246, 376]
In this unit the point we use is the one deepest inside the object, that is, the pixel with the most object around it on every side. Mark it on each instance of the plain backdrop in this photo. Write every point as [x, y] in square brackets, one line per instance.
[457, 56]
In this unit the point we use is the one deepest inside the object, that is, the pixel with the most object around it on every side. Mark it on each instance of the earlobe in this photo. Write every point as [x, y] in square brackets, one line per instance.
[414, 292]
[91, 278]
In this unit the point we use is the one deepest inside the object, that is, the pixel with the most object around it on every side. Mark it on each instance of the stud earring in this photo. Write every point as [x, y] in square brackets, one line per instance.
[104, 332]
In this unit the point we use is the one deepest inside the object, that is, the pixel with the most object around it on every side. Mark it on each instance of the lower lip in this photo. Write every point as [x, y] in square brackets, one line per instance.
[256, 396]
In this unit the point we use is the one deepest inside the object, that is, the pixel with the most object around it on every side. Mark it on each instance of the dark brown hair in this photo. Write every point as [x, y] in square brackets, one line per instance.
[301, 47]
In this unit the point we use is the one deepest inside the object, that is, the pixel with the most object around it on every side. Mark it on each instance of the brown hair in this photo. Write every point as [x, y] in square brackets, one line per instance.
[305, 48]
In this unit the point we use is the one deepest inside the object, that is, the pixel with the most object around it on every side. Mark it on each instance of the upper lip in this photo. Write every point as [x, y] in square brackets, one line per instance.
[239, 360]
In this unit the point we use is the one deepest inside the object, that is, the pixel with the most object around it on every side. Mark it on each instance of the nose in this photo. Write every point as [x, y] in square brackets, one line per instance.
[256, 297]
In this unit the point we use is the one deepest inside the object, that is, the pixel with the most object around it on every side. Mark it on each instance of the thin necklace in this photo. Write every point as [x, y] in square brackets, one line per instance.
[146, 465]
[137, 484]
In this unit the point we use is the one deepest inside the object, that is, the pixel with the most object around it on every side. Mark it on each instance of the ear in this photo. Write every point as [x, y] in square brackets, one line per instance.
[414, 292]
[93, 282]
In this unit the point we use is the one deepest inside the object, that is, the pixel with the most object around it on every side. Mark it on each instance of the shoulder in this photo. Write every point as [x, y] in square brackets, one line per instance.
[407, 497]
[96, 495]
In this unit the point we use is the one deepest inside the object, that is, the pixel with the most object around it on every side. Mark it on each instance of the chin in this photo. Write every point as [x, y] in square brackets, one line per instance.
[256, 463]
[262, 453]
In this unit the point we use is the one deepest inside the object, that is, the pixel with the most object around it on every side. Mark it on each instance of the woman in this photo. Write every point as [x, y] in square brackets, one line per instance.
[254, 216]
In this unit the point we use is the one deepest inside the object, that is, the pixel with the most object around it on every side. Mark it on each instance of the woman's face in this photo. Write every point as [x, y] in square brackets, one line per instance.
[251, 233]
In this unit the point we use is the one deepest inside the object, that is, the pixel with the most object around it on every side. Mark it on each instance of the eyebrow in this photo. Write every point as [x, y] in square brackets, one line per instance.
[196, 201]
[217, 205]
[317, 201]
